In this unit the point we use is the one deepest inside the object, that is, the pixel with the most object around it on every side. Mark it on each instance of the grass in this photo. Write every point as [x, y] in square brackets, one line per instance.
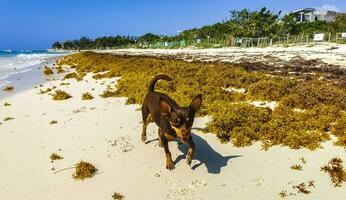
[87, 96]
[84, 170]
[8, 88]
[336, 171]
[47, 71]
[7, 104]
[8, 119]
[60, 95]
[233, 119]
[117, 196]
[55, 156]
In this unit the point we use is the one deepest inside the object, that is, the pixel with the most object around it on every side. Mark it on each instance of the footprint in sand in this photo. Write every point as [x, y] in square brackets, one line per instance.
[181, 192]
[123, 144]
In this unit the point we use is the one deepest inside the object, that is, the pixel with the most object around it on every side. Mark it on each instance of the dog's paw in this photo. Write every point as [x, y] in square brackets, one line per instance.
[188, 161]
[170, 166]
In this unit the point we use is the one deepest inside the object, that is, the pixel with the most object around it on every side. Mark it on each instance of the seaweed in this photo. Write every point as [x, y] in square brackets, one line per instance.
[108, 93]
[55, 156]
[232, 119]
[117, 196]
[61, 95]
[84, 170]
[53, 122]
[297, 167]
[73, 75]
[336, 171]
[87, 96]
[301, 188]
[45, 91]
[8, 88]
[47, 71]
[8, 119]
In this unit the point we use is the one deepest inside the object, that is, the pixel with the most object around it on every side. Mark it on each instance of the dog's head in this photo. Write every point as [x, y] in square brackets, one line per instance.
[181, 119]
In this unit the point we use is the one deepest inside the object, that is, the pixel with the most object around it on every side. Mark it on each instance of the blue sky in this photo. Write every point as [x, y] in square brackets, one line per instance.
[35, 24]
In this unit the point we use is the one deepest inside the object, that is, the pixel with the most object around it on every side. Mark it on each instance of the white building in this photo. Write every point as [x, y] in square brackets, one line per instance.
[311, 15]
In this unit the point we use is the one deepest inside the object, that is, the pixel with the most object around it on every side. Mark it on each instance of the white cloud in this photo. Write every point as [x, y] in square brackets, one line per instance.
[328, 7]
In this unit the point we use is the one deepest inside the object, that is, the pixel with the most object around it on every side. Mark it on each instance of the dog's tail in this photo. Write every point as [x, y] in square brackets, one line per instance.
[156, 78]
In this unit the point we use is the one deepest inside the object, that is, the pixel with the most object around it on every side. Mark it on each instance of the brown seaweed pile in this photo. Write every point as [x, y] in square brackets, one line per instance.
[308, 111]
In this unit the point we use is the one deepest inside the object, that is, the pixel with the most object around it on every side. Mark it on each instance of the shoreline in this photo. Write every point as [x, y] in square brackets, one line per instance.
[34, 77]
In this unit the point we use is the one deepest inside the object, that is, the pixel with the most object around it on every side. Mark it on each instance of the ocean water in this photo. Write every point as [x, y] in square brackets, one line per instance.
[14, 62]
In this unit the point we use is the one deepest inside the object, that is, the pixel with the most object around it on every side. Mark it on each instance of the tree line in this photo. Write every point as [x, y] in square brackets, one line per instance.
[243, 23]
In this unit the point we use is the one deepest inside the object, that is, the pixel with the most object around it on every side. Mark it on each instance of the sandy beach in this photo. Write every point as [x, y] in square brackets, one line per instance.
[326, 53]
[106, 132]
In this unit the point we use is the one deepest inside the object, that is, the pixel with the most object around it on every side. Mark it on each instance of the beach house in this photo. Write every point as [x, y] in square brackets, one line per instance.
[311, 15]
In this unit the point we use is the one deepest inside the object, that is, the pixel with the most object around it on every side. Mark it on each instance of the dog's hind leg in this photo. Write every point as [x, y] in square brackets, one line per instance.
[146, 120]
[160, 141]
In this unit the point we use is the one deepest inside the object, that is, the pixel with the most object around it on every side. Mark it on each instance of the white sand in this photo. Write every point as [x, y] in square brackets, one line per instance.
[323, 52]
[86, 131]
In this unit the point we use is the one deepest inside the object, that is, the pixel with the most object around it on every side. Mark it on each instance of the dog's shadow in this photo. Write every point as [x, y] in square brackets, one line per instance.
[206, 155]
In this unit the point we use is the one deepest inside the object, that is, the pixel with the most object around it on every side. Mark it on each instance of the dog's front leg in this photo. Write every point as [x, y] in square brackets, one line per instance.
[190, 151]
[169, 161]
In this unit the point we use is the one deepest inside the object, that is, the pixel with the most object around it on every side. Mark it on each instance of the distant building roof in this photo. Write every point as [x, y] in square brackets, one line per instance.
[305, 10]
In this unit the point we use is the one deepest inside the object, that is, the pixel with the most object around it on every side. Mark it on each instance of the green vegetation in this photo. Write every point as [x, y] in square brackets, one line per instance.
[117, 196]
[7, 104]
[61, 95]
[47, 71]
[336, 171]
[87, 96]
[102, 42]
[241, 23]
[84, 170]
[55, 156]
[321, 103]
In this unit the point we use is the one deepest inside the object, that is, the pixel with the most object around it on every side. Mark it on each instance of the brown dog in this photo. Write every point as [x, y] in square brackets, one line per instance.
[173, 121]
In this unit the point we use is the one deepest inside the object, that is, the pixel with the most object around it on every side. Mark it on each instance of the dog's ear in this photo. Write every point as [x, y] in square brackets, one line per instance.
[165, 107]
[196, 103]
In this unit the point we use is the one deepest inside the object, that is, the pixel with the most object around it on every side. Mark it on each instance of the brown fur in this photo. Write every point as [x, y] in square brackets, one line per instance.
[173, 121]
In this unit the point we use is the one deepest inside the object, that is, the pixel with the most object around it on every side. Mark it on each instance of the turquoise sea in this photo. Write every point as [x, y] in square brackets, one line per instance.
[21, 61]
